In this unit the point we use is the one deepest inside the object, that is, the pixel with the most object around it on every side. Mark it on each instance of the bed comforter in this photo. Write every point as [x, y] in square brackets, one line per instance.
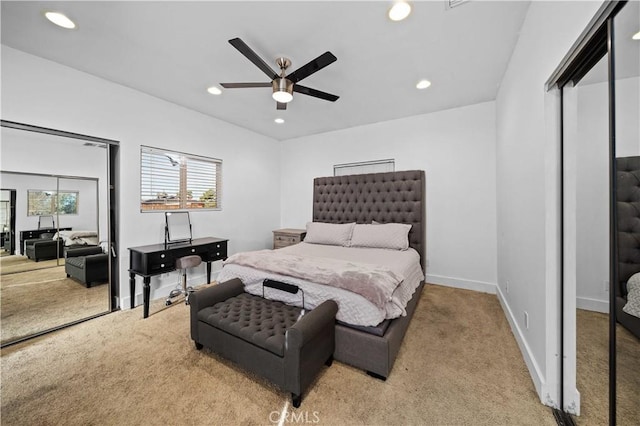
[343, 274]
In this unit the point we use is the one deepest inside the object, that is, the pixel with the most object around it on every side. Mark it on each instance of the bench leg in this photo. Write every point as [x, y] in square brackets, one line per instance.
[295, 400]
[329, 361]
[377, 376]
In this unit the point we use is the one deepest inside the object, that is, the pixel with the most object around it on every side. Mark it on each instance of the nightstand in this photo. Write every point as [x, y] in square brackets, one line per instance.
[287, 237]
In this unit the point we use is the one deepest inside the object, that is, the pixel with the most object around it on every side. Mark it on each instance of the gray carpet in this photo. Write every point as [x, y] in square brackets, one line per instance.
[459, 365]
[34, 301]
[17, 263]
[592, 373]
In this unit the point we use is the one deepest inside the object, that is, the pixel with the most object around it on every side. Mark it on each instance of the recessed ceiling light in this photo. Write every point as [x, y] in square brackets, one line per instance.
[423, 84]
[279, 120]
[399, 11]
[636, 36]
[60, 19]
[214, 90]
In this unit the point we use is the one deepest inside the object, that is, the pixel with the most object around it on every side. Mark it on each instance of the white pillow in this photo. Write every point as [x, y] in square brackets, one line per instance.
[334, 234]
[393, 236]
[632, 307]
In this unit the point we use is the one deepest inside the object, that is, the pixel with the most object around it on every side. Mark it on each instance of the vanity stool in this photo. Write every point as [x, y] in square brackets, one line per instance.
[265, 336]
[184, 263]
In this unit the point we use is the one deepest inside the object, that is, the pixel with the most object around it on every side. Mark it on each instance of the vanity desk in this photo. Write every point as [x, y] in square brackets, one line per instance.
[156, 259]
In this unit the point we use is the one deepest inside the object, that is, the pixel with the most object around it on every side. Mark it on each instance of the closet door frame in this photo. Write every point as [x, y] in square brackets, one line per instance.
[596, 41]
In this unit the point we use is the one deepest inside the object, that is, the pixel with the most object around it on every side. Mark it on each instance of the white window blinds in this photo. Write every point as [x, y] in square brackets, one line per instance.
[172, 180]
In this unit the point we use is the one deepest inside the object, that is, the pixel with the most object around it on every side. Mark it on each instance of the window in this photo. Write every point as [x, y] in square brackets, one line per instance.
[172, 180]
[378, 166]
[41, 203]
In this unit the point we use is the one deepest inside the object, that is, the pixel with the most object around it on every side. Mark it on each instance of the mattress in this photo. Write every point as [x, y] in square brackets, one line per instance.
[353, 308]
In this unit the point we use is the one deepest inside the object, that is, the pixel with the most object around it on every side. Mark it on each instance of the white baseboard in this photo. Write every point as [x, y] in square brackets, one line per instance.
[592, 304]
[534, 370]
[480, 286]
[161, 291]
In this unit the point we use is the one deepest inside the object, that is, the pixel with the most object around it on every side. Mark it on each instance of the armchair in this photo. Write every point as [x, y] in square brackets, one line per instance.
[87, 264]
[44, 248]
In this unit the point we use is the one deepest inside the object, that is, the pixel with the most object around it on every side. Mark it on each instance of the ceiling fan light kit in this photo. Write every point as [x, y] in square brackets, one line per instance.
[284, 85]
[282, 90]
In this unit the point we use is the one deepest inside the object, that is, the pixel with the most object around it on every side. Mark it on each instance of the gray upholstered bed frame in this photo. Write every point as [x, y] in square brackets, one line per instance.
[397, 197]
[628, 204]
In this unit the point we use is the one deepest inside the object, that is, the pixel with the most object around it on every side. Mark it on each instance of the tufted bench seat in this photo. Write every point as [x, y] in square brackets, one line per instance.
[263, 336]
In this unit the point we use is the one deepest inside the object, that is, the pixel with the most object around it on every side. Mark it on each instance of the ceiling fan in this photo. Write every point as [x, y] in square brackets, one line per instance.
[284, 85]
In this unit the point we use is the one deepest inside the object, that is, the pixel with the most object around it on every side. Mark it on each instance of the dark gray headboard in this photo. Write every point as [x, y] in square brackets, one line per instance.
[628, 204]
[397, 197]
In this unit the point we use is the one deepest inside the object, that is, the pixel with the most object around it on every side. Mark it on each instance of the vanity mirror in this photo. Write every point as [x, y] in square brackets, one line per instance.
[177, 227]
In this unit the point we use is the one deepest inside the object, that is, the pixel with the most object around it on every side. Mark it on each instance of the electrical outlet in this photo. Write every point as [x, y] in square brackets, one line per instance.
[526, 320]
[606, 286]
[506, 286]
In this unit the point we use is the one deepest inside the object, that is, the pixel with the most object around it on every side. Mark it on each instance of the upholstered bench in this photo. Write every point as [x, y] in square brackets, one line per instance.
[87, 264]
[263, 336]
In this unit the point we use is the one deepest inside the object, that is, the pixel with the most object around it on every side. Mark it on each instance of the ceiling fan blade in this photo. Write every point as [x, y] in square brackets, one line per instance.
[281, 105]
[253, 57]
[315, 93]
[243, 85]
[317, 64]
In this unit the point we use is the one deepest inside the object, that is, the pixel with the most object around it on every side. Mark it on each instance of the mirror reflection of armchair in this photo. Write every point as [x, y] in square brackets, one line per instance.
[46, 222]
[44, 248]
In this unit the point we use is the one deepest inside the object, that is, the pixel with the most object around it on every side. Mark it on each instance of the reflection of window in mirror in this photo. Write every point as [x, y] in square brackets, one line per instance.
[178, 226]
[51, 202]
[4, 215]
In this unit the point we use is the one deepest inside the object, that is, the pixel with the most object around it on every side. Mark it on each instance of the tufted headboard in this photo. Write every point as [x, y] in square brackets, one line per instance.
[397, 197]
[628, 204]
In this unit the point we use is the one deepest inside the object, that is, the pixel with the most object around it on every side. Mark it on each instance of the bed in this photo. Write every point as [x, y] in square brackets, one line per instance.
[77, 238]
[373, 342]
[628, 204]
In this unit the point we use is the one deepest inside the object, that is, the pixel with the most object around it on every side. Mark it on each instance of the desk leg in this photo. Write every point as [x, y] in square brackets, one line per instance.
[146, 290]
[208, 272]
[132, 288]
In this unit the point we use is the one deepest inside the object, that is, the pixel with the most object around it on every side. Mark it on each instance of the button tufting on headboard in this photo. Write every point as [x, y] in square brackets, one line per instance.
[384, 197]
[628, 205]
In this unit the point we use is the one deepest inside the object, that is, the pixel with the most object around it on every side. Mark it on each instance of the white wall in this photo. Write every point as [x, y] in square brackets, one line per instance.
[456, 148]
[524, 192]
[41, 92]
[28, 152]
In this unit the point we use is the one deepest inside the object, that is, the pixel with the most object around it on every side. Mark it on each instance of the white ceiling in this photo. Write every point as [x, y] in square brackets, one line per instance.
[175, 50]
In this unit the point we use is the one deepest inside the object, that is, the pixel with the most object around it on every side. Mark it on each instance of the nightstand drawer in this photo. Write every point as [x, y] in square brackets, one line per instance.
[287, 237]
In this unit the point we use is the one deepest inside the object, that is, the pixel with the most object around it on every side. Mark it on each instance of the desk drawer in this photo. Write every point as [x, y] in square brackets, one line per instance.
[218, 251]
[161, 261]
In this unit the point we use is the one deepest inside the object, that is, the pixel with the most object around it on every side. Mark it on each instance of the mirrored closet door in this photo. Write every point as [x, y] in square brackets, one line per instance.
[59, 272]
[626, 25]
[599, 86]
[586, 241]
